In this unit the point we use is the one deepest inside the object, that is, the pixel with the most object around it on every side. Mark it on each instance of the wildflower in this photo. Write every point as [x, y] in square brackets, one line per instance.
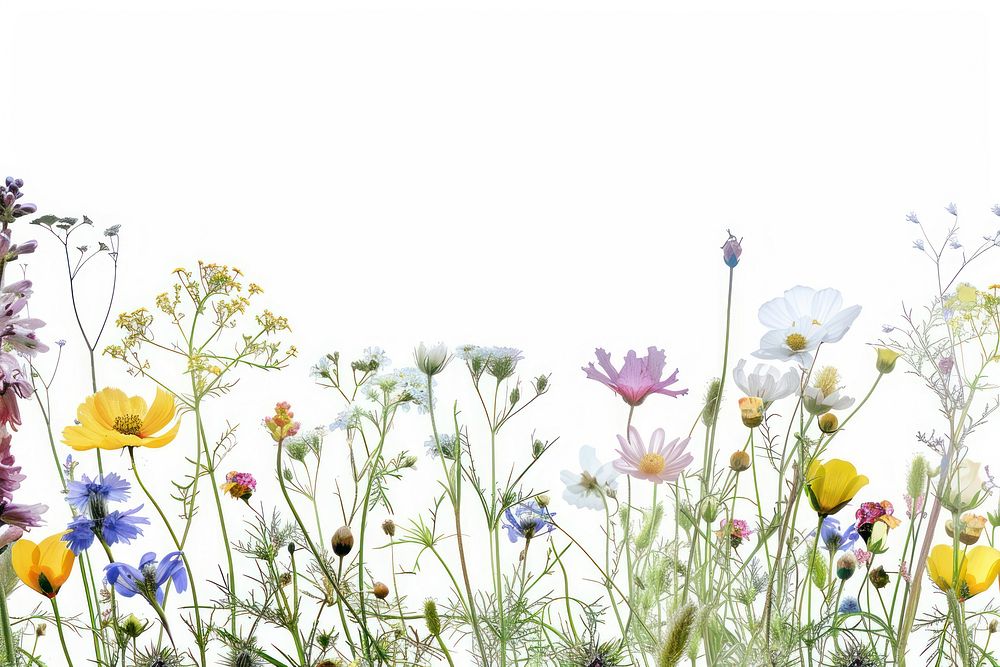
[751, 411]
[18, 331]
[113, 528]
[912, 217]
[864, 556]
[945, 364]
[93, 495]
[831, 485]
[431, 360]
[638, 378]
[846, 566]
[380, 590]
[240, 485]
[389, 527]
[24, 517]
[660, 463]
[885, 360]
[800, 321]
[149, 578]
[736, 530]
[43, 567]
[112, 420]
[10, 192]
[739, 461]
[904, 571]
[528, 520]
[828, 423]
[431, 617]
[373, 359]
[965, 489]
[766, 382]
[14, 385]
[849, 605]
[918, 244]
[731, 251]
[873, 523]
[855, 654]
[879, 577]
[833, 538]
[342, 541]
[133, 626]
[951, 208]
[824, 394]
[977, 569]
[971, 528]
[10, 474]
[445, 445]
[281, 424]
[159, 657]
[588, 487]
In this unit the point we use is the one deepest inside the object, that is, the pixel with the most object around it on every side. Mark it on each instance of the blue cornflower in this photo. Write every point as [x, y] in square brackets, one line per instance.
[528, 520]
[149, 578]
[849, 605]
[115, 527]
[86, 493]
[833, 539]
[90, 497]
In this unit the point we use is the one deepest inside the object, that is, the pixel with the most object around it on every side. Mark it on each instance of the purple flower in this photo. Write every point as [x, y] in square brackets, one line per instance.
[951, 208]
[638, 378]
[945, 364]
[912, 217]
[528, 520]
[731, 251]
[24, 517]
[10, 192]
[10, 474]
[149, 578]
[13, 385]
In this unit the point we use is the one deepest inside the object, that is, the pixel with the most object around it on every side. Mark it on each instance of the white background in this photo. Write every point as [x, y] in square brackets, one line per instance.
[555, 176]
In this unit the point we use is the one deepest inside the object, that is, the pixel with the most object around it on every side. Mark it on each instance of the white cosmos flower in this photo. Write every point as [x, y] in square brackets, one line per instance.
[802, 319]
[587, 487]
[767, 382]
[817, 402]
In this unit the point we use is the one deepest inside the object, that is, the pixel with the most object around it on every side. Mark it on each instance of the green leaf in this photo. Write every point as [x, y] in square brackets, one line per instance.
[819, 572]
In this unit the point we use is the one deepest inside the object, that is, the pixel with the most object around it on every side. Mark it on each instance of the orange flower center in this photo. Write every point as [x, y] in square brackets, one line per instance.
[651, 464]
[128, 424]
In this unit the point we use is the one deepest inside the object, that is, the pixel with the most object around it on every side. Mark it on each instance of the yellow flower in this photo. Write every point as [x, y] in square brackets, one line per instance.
[885, 362]
[752, 411]
[43, 567]
[832, 485]
[112, 420]
[977, 569]
[966, 295]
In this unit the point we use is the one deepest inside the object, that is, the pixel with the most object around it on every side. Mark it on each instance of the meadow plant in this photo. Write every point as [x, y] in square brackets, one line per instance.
[769, 551]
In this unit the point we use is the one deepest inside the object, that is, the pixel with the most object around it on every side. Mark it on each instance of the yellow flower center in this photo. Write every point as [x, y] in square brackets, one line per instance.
[651, 464]
[128, 424]
[796, 342]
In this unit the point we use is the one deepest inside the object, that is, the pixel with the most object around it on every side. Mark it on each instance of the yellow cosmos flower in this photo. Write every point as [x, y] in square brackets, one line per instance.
[977, 569]
[832, 485]
[43, 567]
[112, 420]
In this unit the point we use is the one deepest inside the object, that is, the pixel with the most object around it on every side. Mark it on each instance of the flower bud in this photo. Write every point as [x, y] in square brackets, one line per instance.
[828, 422]
[537, 448]
[41, 628]
[731, 251]
[885, 360]
[431, 360]
[739, 461]
[752, 411]
[543, 500]
[380, 590]
[431, 617]
[342, 541]
[709, 510]
[133, 626]
[846, 565]
[389, 527]
[879, 577]
[994, 626]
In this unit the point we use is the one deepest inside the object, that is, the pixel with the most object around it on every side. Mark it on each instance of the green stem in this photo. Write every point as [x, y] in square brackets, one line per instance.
[8, 635]
[59, 629]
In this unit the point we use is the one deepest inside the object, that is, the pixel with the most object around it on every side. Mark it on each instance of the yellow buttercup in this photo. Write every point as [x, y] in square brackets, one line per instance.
[831, 485]
[977, 569]
[110, 419]
[43, 567]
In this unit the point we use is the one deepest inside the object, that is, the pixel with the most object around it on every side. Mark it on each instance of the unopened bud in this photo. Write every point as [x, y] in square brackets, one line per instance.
[342, 541]
[828, 422]
[380, 590]
[739, 461]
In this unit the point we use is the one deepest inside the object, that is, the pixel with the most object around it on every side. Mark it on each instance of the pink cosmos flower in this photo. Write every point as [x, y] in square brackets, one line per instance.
[660, 463]
[638, 378]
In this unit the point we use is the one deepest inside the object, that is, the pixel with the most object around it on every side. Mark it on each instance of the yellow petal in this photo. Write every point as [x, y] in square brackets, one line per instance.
[22, 557]
[982, 565]
[160, 440]
[159, 414]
